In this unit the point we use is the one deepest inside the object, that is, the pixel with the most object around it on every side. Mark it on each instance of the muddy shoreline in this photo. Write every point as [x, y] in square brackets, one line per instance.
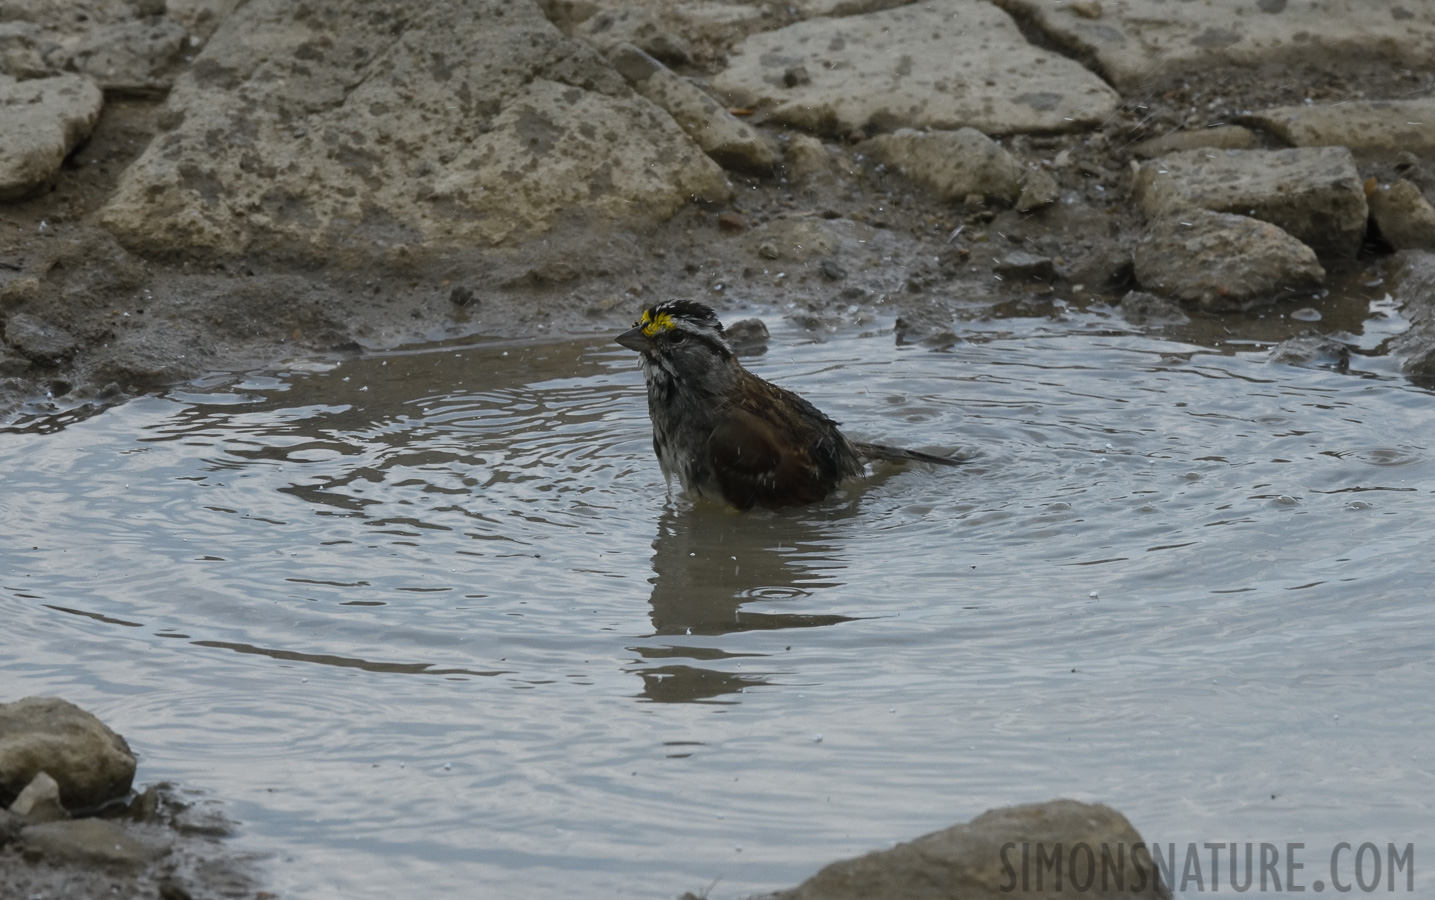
[839, 245]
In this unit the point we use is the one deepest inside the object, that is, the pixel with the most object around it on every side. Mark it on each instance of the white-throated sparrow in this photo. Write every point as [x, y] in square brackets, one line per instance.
[728, 434]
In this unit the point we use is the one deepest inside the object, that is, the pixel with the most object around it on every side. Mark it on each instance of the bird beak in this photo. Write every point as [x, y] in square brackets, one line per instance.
[634, 339]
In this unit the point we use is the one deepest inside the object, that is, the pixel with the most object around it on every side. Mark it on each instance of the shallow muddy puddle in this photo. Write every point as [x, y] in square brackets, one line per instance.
[428, 624]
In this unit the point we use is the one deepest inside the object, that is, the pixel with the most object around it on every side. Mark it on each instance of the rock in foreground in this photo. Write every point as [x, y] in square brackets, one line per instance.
[968, 861]
[90, 762]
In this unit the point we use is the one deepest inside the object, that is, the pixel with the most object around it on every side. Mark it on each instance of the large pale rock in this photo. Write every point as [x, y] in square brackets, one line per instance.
[1136, 41]
[982, 860]
[1405, 218]
[941, 65]
[350, 130]
[41, 121]
[1313, 193]
[90, 762]
[952, 164]
[733, 144]
[1382, 127]
[1221, 260]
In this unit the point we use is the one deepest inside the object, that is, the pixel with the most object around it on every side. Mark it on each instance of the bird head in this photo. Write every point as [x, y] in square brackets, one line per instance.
[677, 328]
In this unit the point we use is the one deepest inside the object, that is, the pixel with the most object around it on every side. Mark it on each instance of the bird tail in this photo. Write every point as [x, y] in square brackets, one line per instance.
[900, 454]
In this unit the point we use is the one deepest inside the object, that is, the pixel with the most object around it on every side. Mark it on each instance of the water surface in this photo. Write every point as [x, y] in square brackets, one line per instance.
[428, 622]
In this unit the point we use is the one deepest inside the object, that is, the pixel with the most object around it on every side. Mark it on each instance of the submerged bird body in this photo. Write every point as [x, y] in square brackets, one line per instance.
[727, 434]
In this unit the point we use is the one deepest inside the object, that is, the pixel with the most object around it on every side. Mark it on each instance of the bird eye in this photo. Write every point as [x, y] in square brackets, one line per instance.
[677, 337]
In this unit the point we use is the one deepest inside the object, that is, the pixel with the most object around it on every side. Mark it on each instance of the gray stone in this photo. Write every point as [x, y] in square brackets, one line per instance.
[930, 65]
[22, 51]
[1376, 127]
[91, 842]
[1405, 218]
[1025, 266]
[952, 164]
[1222, 260]
[811, 164]
[1137, 40]
[794, 238]
[39, 341]
[612, 28]
[1142, 308]
[132, 56]
[1038, 189]
[1312, 351]
[930, 326]
[1222, 137]
[1314, 193]
[966, 861]
[1412, 284]
[1096, 264]
[41, 121]
[18, 291]
[400, 138]
[732, 143]
[568, 14]
[40, 802]
[91, 763]
[747, 336]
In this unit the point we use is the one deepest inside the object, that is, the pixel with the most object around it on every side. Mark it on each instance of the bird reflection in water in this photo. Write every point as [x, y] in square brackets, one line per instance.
[708, 565]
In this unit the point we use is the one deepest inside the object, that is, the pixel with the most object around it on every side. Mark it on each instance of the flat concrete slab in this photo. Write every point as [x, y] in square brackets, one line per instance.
[41, 121]
[1314, 193]
[1369, 127]
[409, 136]
[943, 65]
[1137, 41]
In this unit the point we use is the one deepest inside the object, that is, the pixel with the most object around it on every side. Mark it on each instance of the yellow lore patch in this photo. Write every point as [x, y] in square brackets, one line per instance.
[653, 326]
